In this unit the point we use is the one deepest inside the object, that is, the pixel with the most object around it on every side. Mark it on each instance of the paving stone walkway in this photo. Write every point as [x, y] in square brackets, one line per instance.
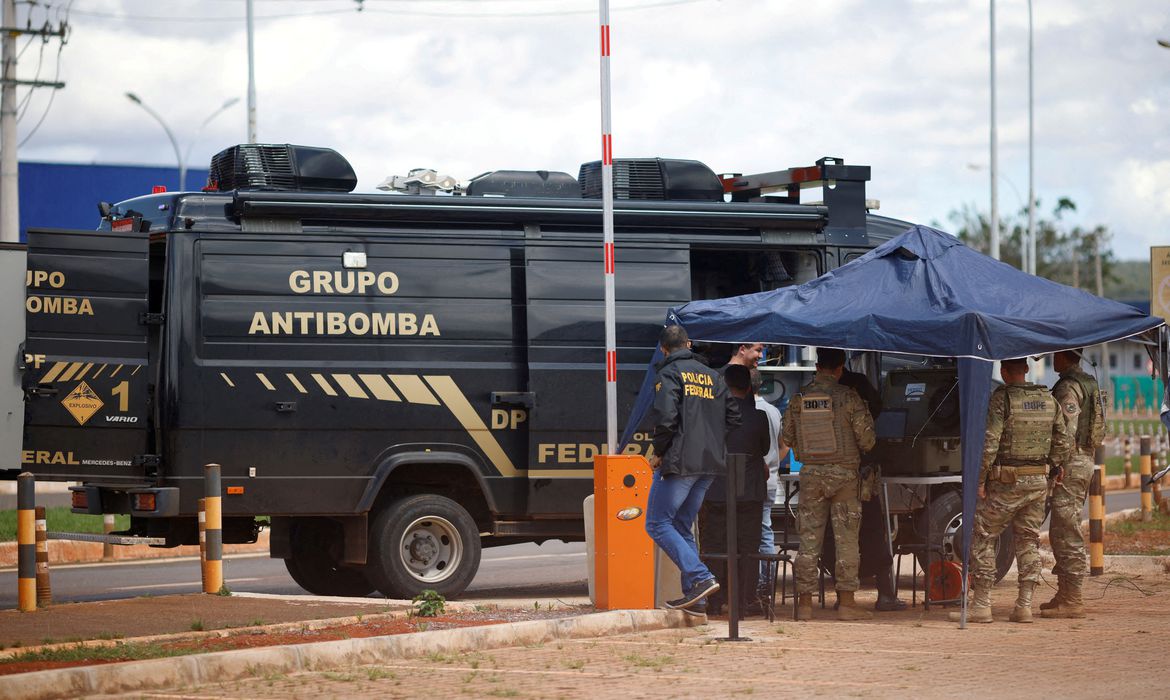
[1117, 651]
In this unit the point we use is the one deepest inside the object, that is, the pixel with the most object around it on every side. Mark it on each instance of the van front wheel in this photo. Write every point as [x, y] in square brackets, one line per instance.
[423, 542]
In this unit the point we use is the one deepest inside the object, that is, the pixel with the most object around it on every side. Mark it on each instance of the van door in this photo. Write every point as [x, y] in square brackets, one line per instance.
[86, 368]
[565, 303]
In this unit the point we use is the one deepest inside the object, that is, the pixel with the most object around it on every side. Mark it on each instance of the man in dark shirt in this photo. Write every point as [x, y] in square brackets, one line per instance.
[752, 439]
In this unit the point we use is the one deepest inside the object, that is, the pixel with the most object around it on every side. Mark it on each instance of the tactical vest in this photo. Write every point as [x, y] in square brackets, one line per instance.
[1027, 435]
[823, 432]
[1090, 422]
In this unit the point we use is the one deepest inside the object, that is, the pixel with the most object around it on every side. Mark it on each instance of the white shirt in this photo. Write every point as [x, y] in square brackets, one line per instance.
[772, 459]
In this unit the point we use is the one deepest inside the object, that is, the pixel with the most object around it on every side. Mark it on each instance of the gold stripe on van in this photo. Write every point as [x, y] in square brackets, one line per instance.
[412, 387]
[71, 371]
[51, 375]
[225, 378]
[99, 372]
[119, 369]
[297, 383]
[350, 386]
[84, 370]
[379, 387]
[264, 380]
[136, 368]
[454, 399]
[324, 384]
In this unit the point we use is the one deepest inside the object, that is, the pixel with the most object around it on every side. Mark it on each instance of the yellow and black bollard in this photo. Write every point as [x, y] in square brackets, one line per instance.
[213, 571]
[44, 591]
[202, 539]
[1147, 492]
[26, 542]
[1097, 517]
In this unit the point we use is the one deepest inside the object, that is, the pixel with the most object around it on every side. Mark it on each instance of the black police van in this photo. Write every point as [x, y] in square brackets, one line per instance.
[396, 380]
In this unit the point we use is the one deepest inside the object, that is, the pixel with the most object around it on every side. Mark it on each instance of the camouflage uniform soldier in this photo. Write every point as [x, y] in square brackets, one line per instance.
[1025, 436]
[829, 426]
[1082, 408]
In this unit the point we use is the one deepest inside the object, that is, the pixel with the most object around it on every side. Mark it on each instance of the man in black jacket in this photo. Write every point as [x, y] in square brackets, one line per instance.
[751, 438]
[692, 413]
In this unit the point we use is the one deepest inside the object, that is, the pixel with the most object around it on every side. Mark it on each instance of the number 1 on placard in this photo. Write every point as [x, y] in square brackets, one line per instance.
[122, 391]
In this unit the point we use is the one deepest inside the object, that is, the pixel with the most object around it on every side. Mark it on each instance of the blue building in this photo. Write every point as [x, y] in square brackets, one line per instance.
[66, 195]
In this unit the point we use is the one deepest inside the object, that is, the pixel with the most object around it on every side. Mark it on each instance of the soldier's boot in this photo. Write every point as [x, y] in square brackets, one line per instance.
[1058, 598]
[1023, 610]
[1073, 605]
[980, 608]
[847, 608]
[804, 606]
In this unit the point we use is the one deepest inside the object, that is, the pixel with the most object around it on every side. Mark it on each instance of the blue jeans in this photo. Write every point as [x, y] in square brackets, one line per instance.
[767, 537]
[670, 516]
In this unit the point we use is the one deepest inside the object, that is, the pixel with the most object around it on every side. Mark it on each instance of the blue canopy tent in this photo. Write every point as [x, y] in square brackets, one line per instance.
[924, 293]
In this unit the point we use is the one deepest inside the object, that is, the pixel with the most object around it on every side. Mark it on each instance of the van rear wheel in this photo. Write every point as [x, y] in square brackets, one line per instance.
[423, 542]
[315, 563]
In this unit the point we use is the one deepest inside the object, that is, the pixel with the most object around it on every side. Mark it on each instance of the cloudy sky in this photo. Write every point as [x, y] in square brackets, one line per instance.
[465, 86]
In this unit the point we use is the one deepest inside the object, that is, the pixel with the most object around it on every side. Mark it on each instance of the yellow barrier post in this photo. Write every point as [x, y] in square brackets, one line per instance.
[624, 558]
[1097, 517]
[26, 542]
[44, 591]
[213, 580]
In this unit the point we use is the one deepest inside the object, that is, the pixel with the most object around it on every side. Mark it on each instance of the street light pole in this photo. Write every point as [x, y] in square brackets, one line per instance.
[213, 115]
[994, 148]
[1031, 156]
[251, 78]
[180, 156]
[174, 143]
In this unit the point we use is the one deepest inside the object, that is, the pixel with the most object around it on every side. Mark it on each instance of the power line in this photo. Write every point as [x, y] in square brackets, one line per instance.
[372, 10]
[52, 96]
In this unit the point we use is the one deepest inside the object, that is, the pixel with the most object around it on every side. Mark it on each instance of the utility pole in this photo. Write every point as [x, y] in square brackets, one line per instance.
[9, 164]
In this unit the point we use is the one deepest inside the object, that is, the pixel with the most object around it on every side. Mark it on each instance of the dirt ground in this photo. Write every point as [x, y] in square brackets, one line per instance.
[1132, 536]
[1114, 652]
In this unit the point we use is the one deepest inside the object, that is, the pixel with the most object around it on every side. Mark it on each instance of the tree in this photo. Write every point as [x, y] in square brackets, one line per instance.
[1065, 254]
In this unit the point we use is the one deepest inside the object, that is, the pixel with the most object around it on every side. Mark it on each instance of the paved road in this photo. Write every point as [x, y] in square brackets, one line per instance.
[516, 571]
[554, 569]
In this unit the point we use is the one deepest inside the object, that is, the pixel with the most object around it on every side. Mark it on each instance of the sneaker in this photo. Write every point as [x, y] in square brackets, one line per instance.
[698, 592]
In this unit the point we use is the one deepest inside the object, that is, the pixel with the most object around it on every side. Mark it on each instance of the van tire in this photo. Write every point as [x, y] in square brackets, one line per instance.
[315, 561]
[946, 514]
[423, 542]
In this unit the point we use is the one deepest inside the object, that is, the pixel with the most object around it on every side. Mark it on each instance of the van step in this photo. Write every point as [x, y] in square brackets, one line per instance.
[105, 539]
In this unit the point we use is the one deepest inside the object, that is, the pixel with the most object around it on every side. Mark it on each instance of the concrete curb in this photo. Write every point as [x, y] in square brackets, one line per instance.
[180, 671]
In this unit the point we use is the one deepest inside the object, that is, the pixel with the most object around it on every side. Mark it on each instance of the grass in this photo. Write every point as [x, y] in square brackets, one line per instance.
[122, 651]
[654, 662]
[60, 519]
[1160, 522]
